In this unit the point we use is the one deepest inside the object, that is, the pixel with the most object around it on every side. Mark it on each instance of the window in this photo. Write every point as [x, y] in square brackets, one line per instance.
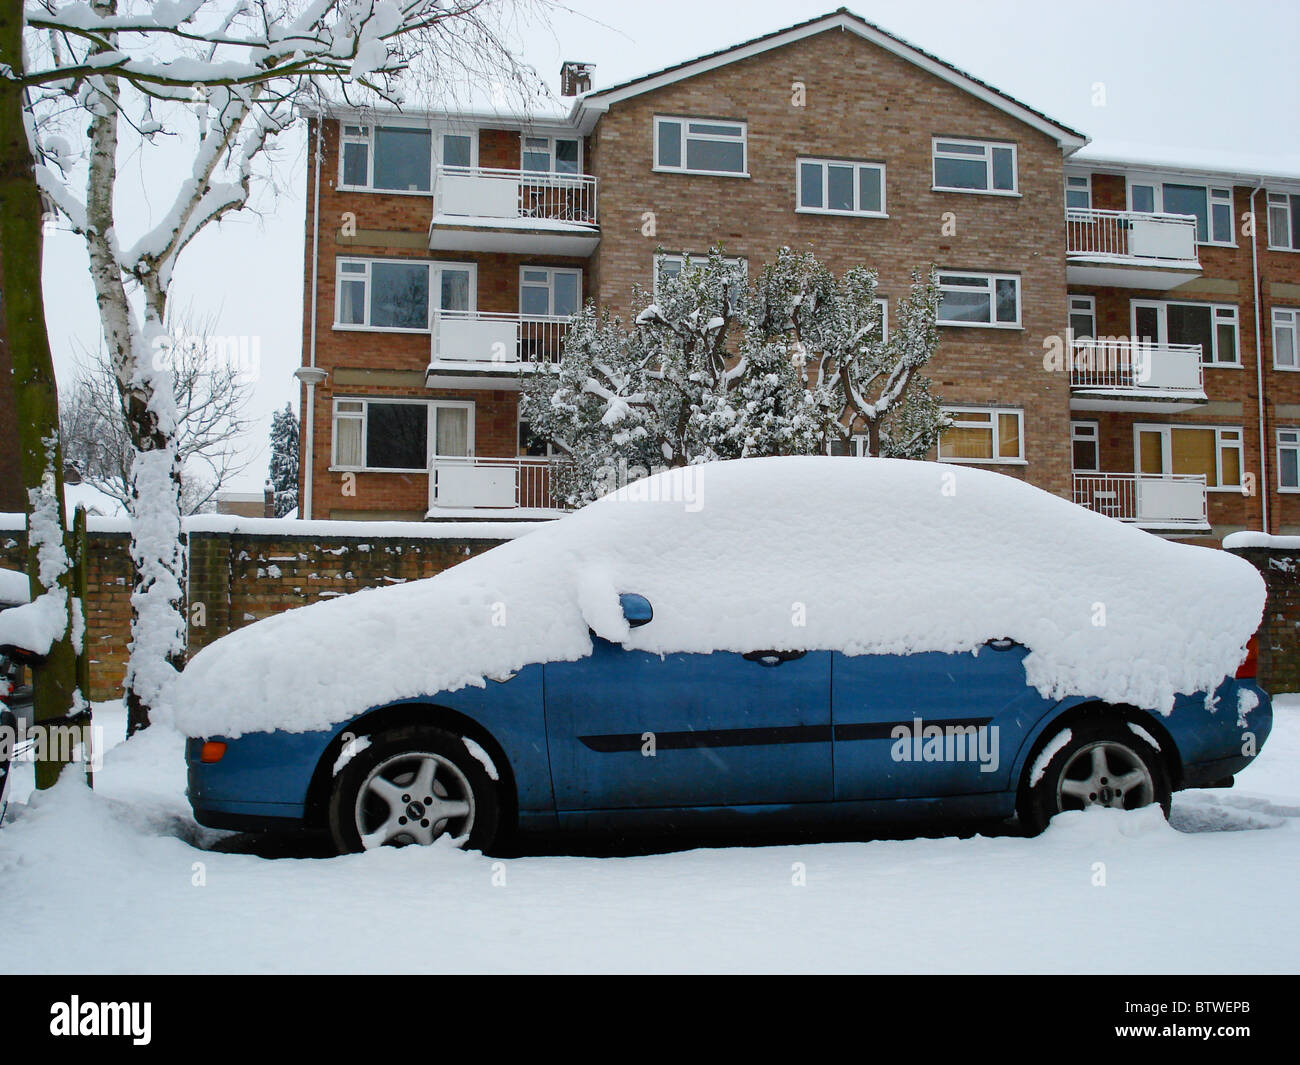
[545, 292]
[395, 435]
[1211, 206]
[1288, 460]
[387, 158]
[989, 435]
[855, 445]
[831, 187]
[979, 300]
[671, 266]
[1286, 339]
[1078, 192]
[457, 149]
[550, 155]
[974, 166]
[1213, 451]
[1083, 317]
[394, 294]
[1284, 221]
[1085, 446]
[700, 146]
[1212, 326]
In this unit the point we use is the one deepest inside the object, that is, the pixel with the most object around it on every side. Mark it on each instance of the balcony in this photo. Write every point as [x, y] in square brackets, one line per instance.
[1169, 502]
[1130, 249]
[1122, 374]
[489, 350]
[491, 487]
[528, 212]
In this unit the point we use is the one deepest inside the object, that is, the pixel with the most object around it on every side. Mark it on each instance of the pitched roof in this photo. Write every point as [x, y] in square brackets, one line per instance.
[842, 19]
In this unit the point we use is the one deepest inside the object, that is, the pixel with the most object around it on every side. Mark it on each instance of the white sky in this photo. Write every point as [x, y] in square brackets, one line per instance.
[1182, 77]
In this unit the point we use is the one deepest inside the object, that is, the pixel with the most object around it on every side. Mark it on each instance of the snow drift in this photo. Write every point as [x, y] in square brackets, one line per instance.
[857, 555]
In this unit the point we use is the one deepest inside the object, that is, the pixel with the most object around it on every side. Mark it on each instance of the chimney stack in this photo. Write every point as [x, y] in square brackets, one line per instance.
[575, 78]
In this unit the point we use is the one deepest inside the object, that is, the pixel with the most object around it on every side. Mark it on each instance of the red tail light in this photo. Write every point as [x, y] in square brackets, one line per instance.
[1248, 668]
[212, 751]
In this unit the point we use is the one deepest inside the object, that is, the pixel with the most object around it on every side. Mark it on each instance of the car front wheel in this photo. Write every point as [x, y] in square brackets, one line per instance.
[1103, 763]
[412, 786]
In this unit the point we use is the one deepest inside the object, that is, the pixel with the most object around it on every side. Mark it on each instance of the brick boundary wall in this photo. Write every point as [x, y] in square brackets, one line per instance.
[237, 577]
[1279, 632]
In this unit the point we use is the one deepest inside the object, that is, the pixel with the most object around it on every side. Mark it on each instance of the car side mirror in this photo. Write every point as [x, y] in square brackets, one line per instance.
[636, 609]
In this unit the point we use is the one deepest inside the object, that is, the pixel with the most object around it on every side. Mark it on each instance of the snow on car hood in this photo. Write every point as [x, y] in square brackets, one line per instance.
[856, 555]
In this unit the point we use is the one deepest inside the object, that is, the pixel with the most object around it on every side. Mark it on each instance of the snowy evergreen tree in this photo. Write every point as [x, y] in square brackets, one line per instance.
[717, 367]
[284, 460]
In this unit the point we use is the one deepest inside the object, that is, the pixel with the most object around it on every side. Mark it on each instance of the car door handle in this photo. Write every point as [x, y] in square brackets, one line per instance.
[772, 658]
[1003, 643]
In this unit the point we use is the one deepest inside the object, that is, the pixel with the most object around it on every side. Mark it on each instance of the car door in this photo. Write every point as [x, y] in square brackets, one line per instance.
[628, 729]
[929, 725]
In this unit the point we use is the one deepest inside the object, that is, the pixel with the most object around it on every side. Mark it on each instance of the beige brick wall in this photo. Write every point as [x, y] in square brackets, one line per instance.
[862, 103]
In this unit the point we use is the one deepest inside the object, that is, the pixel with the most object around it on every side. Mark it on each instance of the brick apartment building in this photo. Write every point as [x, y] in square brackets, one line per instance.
[1107, 327]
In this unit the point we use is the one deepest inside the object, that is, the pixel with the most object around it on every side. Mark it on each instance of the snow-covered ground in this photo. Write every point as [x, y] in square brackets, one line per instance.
[1101, 891]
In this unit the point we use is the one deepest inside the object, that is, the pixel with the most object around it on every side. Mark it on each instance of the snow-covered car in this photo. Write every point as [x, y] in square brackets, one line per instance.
[804, 640]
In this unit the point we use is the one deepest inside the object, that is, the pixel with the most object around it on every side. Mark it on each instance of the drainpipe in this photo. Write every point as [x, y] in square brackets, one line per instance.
[309, 375]
[1259, 361]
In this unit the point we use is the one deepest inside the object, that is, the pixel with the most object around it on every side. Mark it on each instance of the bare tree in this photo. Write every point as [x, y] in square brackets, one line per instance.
[212, 393]
[226, 74]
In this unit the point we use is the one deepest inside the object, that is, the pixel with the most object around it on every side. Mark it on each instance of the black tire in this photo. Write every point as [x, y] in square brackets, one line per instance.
[397, 756]
[1126, 757]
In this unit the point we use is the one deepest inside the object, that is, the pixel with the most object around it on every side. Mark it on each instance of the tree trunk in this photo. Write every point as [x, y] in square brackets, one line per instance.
[35, 391]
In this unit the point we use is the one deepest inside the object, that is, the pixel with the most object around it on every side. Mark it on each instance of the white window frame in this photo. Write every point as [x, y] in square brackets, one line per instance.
[685, 122]
[525, 137]
[551, 272]
[1286, 319]
[435, 270]
[825, 164]
[1087, 305]
[936, 153]
[1084, 429]
[991, 288]
[857, 446]
[993, 414]
[1285, 205]
[1219, 313]
[1167, 450]
[1290, 443]
[1221, 194]
[1086, 190]
[435, 153]
[431, 441]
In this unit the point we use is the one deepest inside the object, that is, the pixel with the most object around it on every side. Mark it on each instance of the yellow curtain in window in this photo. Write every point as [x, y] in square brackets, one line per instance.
[1193, 452]
[1008, 436]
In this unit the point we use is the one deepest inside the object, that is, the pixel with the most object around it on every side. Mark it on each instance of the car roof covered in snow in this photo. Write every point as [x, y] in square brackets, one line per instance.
[856, 555]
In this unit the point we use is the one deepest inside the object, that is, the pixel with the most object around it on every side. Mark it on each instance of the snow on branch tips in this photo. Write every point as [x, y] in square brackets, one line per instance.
[717, 366]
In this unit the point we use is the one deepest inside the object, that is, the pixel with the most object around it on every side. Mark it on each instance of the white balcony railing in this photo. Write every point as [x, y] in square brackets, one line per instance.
[1173, 500]
[1118, 364]
[497, 339]
[1132, 236]
[491, 484]
[481, 192]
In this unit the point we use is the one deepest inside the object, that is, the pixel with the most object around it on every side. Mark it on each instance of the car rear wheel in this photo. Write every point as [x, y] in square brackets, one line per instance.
[1103, 763]
[412, 786]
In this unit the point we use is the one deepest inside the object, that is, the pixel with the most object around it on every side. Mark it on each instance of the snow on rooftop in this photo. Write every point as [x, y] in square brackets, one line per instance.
[873, 555]
[1283, 166]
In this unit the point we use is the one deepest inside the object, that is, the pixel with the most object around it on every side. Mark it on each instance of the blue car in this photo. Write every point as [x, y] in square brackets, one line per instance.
[625, 734]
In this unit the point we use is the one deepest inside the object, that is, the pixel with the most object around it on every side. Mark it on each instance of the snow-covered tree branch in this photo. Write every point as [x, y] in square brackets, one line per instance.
[223, 78]
[715, 366]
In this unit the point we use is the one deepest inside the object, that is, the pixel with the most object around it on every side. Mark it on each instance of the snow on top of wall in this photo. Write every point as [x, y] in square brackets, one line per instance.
[13, 586]
[1259, 539]
[859, 555]
[235, 523]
